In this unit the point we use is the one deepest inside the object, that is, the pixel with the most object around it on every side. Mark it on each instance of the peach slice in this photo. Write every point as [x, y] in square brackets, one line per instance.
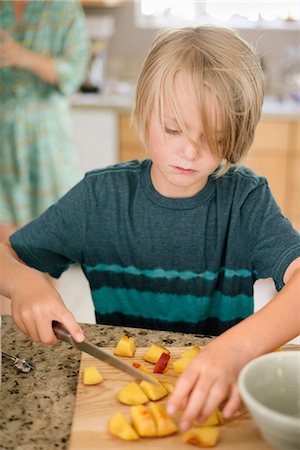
[132, 394]
[153, 391]
[154, 353]
[91, 375]
[143, 421]
[125, 347]
[165, 425]
[202, 436]
[162, 363]
[120, 427]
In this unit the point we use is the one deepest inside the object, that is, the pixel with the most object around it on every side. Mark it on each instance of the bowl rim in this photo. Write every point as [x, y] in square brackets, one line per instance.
[247, 397]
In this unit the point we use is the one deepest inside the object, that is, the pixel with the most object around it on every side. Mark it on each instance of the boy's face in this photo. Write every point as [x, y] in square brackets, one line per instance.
[180, 169]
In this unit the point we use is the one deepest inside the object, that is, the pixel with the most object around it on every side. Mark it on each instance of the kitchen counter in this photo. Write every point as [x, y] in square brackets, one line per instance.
[37, 407]
[115, 102]
[286, 109]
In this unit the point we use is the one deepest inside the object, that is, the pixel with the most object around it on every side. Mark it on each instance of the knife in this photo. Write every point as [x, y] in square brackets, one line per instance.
[63, 334]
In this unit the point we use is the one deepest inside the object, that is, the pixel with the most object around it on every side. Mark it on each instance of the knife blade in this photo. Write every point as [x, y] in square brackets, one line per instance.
[63, 334]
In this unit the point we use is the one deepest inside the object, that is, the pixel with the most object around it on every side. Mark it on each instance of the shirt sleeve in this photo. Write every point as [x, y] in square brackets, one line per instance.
[55, 239]
[271, 239]
[72, 63]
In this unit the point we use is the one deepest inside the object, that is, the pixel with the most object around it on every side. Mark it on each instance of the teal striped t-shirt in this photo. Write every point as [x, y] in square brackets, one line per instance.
[184, 264]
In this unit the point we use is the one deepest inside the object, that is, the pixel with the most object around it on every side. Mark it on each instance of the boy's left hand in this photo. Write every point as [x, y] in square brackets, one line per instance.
[209, 380]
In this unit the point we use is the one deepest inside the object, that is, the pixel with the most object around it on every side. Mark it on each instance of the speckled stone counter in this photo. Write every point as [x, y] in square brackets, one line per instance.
[37, 407]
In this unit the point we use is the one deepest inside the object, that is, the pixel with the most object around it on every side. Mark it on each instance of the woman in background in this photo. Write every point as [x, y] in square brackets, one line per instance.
[44, 54]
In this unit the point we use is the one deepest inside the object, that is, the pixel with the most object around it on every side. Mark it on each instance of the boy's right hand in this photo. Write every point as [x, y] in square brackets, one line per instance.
[35, 304]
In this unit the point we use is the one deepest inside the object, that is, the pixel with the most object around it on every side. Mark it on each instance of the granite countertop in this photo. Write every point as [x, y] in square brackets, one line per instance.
[37, 407]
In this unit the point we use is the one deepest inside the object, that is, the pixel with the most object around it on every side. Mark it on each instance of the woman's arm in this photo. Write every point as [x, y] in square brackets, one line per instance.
[13, 54]
[211, 377]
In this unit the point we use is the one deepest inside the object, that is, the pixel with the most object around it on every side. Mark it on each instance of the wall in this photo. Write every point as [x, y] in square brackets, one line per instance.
[129, 44]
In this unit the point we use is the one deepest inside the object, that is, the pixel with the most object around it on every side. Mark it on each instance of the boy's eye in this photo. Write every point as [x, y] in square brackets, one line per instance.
[170, 131]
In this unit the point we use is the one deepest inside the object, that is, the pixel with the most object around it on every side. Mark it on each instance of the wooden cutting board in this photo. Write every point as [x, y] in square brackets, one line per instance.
[95, 405]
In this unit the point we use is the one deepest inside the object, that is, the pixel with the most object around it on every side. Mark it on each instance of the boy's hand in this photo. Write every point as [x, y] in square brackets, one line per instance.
[209, 380]
[36, 306]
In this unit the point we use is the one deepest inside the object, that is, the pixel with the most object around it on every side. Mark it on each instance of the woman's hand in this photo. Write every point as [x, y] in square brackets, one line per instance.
[36, 305]
[11, 52]
[209, 380]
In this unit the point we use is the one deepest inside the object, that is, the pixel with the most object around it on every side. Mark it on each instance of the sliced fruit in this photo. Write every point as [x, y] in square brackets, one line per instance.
[132, 394]
[125, 347]
[168, 386]
[215, 418]
[91, 375]
[162, 363]
[144, 369]
[191, 352]
[120, 427]
[143, 421]
[201, 436]
[181, 364]
[165, 425]
[153, 391]
[154, 353]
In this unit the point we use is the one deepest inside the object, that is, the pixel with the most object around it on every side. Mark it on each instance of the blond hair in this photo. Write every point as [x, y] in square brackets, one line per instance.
[214, 57]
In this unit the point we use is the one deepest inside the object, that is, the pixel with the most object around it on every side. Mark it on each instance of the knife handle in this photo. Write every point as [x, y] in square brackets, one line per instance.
[62, 333]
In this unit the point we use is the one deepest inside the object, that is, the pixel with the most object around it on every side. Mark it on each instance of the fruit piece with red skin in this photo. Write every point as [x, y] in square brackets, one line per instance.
[162, 363]
[136, 365]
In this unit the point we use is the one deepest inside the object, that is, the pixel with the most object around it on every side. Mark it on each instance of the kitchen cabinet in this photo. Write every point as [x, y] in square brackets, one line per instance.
[269, 156]
[275, 154]
[96, 136]
[130, 146]
[294, 176]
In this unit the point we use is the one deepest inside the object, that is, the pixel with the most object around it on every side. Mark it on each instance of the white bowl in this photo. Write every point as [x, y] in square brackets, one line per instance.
[270, 388]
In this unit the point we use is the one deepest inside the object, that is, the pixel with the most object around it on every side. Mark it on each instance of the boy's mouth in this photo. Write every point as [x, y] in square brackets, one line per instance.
[184, 170]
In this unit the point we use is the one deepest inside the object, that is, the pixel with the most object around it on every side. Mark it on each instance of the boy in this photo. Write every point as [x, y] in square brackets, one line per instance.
[174, 242]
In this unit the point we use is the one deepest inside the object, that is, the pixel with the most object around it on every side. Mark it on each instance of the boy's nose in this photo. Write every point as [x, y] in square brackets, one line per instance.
[190, 151]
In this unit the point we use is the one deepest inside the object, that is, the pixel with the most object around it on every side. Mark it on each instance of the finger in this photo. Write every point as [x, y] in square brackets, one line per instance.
[47, 335]
[44, 328]
[216, 395]
[68, 320]
[182, 390]
[19, 323]
[195, 403]
[233, 404]
[18, 320]
[33, 320]
[31, 328]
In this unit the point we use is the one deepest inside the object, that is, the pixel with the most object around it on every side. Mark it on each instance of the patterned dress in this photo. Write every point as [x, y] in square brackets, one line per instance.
[38, 160]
